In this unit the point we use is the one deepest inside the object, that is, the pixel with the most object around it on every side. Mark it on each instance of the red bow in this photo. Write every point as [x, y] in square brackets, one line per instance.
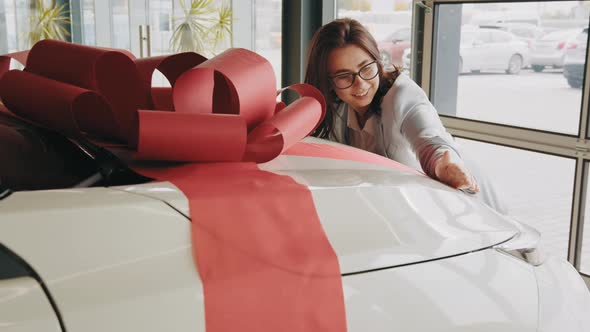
[221, 109]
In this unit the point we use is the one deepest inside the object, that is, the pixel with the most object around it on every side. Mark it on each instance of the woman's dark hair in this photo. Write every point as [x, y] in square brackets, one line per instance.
[336, 34]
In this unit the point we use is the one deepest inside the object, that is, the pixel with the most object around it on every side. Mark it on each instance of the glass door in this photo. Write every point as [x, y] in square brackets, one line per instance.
[122, 24]
[147, 27]
[151, 23]
[159, 26]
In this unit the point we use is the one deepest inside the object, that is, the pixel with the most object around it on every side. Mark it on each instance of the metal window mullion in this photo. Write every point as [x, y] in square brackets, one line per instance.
[585, 90]
[300, 20]
[329, 11]
[578, 208]
[581, 185]
[76, 12]
[428, 34]
[529, 139]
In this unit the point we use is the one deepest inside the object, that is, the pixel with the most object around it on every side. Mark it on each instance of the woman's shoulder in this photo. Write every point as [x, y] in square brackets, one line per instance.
[404, 83]
[403, 95]
[404, 89]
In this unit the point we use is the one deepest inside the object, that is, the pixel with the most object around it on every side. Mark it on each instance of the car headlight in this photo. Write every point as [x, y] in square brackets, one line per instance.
[524, 245]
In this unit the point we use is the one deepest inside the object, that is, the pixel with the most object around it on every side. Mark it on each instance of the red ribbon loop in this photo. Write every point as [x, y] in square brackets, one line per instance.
[221, 109]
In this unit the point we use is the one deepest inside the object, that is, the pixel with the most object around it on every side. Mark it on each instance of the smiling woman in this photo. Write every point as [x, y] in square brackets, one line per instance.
[381, 110]
[347, 63]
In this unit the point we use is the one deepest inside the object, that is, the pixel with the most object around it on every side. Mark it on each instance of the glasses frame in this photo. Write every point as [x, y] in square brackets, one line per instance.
[354, 75]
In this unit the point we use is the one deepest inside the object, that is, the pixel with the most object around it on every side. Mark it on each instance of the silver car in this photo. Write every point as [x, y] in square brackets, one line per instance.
[488, 50]
[549, 50]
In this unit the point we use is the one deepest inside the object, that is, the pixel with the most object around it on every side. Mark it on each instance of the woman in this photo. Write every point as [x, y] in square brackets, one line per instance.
[381, 111]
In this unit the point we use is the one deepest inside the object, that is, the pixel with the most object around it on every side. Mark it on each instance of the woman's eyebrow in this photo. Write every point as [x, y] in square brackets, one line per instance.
[342, 71]
[364, 62]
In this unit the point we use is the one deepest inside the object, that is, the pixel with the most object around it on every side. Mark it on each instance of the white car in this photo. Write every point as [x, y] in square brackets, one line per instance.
[486, 49]
[526, 32]
[549, 50]
[492, 49]
[102, 249]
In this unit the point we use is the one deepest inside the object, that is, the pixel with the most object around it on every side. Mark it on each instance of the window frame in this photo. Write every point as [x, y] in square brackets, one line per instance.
[559, 144]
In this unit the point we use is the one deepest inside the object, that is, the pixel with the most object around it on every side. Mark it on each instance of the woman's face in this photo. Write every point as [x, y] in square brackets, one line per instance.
[344, 65]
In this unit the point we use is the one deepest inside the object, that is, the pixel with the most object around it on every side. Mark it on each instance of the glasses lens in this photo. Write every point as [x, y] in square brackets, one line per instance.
[343, 81]
[369, 71]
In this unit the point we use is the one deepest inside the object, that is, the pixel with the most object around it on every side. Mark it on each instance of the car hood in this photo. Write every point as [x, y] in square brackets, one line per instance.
[378, 217]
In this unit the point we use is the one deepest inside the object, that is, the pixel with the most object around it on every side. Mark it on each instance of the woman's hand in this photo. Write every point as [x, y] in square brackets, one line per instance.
[454, 174]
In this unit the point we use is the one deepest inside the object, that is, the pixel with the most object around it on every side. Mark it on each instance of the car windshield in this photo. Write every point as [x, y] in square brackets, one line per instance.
[34, 158]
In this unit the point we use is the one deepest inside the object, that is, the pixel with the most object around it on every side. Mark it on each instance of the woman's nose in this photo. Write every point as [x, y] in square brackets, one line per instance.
[359, 82]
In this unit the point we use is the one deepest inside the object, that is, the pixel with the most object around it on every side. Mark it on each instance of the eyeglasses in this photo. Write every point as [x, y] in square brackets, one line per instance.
[367, 72]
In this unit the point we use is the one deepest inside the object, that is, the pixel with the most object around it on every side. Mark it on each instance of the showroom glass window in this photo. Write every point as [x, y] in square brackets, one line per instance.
[256, 26]
[503, 63]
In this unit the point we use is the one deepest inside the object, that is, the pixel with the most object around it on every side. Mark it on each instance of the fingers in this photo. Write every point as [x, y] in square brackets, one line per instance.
[457, 177]
[446, 158]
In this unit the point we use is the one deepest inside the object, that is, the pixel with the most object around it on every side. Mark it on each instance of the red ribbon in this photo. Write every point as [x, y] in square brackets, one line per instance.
[221, 109]
[260, 249]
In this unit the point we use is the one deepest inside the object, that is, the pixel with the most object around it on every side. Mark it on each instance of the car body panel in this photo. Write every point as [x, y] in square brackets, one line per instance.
[415, 254]
[550, 49]
[403, 217]
[564, 300]
[25, 307]
[126, 263]
[111, 261]
[422, 297]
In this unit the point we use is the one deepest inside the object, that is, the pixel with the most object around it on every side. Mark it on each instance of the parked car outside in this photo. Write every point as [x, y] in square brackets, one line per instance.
[524, 31]
[549, 50]
[484, 49]
[101, 249]
[407, 59]
[574, 62]
[392, 47]
[492, 50]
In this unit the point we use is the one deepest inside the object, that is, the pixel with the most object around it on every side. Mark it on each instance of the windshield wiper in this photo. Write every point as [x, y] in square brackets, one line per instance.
[4, 191]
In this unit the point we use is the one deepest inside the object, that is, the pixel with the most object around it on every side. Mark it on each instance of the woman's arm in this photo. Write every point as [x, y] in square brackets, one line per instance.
[433, 145]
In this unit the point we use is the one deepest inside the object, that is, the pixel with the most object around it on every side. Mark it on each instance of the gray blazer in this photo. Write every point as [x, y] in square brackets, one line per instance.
[411, 131]
[412, 134]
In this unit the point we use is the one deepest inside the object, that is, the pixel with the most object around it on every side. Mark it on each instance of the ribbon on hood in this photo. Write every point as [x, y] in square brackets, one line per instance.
[263, 257]
[219, 109]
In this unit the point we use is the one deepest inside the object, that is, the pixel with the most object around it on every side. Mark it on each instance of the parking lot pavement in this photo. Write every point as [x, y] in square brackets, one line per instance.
[535, 100]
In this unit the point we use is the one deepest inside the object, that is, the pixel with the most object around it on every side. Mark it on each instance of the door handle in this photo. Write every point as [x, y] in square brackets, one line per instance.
[140, 41]
[148, 40]
[145, 38]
